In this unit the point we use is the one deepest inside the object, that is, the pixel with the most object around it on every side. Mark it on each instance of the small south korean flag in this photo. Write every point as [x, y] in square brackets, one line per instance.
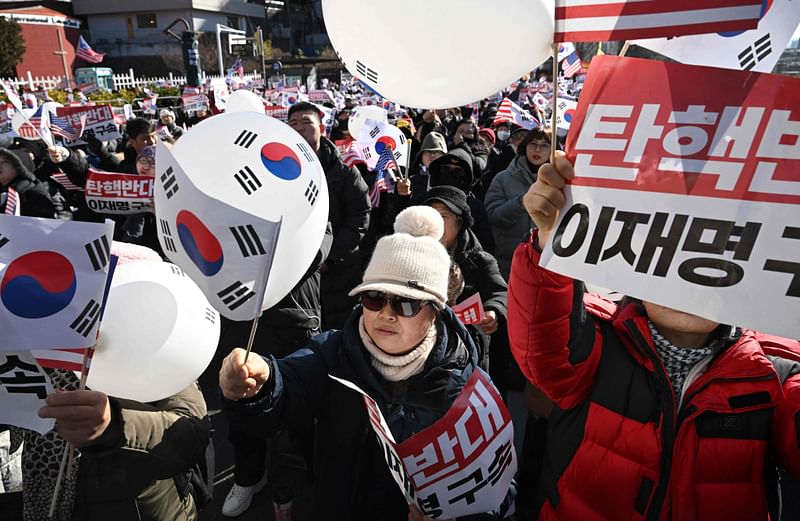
[52, 281]
[226, 251]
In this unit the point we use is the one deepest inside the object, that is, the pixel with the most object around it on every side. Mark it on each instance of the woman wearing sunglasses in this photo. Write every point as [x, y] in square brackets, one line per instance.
[402, 346]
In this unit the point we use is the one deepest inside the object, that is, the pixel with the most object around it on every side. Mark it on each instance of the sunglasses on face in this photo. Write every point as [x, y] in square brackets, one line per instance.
[404, 307]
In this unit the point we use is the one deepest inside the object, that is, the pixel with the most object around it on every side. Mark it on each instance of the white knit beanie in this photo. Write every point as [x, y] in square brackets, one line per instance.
[412, 262]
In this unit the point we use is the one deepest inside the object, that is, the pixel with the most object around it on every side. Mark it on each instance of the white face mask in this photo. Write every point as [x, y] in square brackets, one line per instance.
[503, 135]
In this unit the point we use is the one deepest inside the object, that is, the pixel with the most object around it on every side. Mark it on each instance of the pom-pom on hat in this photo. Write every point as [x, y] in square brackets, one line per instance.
[411, 263]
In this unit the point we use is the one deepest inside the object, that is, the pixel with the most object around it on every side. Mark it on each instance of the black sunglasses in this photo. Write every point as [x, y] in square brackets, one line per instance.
[404, 307]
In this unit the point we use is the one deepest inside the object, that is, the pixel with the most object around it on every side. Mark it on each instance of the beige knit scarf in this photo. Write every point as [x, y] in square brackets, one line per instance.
[395, 368]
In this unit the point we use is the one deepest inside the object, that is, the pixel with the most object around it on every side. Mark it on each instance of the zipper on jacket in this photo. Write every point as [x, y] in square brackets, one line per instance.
[668, 425]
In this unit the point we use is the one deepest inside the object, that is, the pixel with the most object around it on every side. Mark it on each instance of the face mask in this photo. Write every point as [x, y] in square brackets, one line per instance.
[503, 135]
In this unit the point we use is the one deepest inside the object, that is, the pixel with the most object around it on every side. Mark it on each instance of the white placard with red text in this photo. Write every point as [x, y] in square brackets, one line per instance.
[461, 465]
[470, 311]
[122, 194]
[688, 191]
[100, 121]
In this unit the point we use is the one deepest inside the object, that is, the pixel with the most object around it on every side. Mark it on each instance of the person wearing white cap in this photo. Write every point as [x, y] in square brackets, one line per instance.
[168, 126]
[402, 346]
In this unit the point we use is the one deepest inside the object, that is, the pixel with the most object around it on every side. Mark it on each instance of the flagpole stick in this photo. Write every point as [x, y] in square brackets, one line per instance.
[81, 387]
[57, 489]
[625, 47]
[252, 338]
[554, 116]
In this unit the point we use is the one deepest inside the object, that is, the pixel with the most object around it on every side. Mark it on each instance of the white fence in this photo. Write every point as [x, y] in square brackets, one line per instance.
[121, 81]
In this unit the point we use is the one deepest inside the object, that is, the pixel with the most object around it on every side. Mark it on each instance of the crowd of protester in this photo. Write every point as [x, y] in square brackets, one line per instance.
[628, 401]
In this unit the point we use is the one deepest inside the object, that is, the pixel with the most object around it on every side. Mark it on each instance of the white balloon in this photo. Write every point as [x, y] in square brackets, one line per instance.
[211, 156]
[460, 51]
[361, 114]
[244, 101]
[158, 334]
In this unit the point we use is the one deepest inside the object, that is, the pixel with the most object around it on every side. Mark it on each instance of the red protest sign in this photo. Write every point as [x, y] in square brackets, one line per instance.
[113, 193]
[100, 121]
[687, 191]
[470, 311]
[685, 129]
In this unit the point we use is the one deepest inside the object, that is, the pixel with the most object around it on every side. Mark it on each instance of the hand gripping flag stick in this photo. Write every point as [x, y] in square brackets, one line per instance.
[67, 459]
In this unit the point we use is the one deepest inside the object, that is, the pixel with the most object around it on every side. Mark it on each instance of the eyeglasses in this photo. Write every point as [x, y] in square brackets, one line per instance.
[404, 307]
[539, 146]
[150, 163]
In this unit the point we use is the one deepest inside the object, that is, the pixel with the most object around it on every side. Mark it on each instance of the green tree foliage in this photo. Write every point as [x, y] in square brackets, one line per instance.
[12, 47]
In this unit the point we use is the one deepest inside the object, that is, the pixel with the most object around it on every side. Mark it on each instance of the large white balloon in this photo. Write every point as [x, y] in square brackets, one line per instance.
[158, 334]
[291, 189]
[361, 114]
[244, 100]
[439, 53]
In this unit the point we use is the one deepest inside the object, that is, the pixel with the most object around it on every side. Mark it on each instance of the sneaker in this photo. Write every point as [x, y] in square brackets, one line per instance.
[239, 498]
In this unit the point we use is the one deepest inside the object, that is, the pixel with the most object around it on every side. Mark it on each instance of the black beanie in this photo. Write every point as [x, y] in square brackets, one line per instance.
[454, 199]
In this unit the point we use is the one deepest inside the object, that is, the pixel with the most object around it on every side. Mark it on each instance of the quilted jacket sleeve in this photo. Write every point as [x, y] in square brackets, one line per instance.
[552, 337]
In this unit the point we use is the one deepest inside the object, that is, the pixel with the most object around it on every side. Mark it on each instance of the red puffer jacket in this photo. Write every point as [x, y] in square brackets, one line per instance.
[617, 449]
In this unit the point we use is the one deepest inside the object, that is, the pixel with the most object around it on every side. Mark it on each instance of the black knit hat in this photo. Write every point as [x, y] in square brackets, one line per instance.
[454, 199]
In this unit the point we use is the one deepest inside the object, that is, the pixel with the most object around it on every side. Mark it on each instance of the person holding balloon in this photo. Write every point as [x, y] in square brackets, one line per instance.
[402, 346]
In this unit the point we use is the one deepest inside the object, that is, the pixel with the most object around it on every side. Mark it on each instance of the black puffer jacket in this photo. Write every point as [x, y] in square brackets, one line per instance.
[354, 481]
[349, 204]
[349, 215]
[481, 275]
[34, 195]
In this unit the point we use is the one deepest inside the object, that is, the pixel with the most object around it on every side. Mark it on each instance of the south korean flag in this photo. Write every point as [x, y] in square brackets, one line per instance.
[376, 136]
[228, 253]
[52, 281]
[755, 50]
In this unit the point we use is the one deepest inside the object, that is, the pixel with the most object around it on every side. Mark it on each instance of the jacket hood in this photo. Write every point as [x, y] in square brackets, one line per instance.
[457, 156]
[21, 161]
[433, 141]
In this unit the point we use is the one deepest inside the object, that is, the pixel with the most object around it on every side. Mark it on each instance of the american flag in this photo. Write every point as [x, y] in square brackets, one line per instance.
[571, 65]
[236, 69]
[12, 202]
[61, 127]
[510, 112]
[62, 179]
[66, 359]
[86, 53]
[352, 156]
[384, 179]
[606, 20]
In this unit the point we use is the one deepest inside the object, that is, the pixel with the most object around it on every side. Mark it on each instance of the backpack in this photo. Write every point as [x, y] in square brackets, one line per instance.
[199, 479]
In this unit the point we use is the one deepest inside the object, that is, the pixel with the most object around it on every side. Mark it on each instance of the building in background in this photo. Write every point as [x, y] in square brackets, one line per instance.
[296, 25]
[48, 31]
[131, 32]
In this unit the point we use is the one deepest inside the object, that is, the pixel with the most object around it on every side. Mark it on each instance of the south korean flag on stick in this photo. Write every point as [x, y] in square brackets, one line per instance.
[227, 252]
[376, 137]
[755, 50]
[52, 281]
